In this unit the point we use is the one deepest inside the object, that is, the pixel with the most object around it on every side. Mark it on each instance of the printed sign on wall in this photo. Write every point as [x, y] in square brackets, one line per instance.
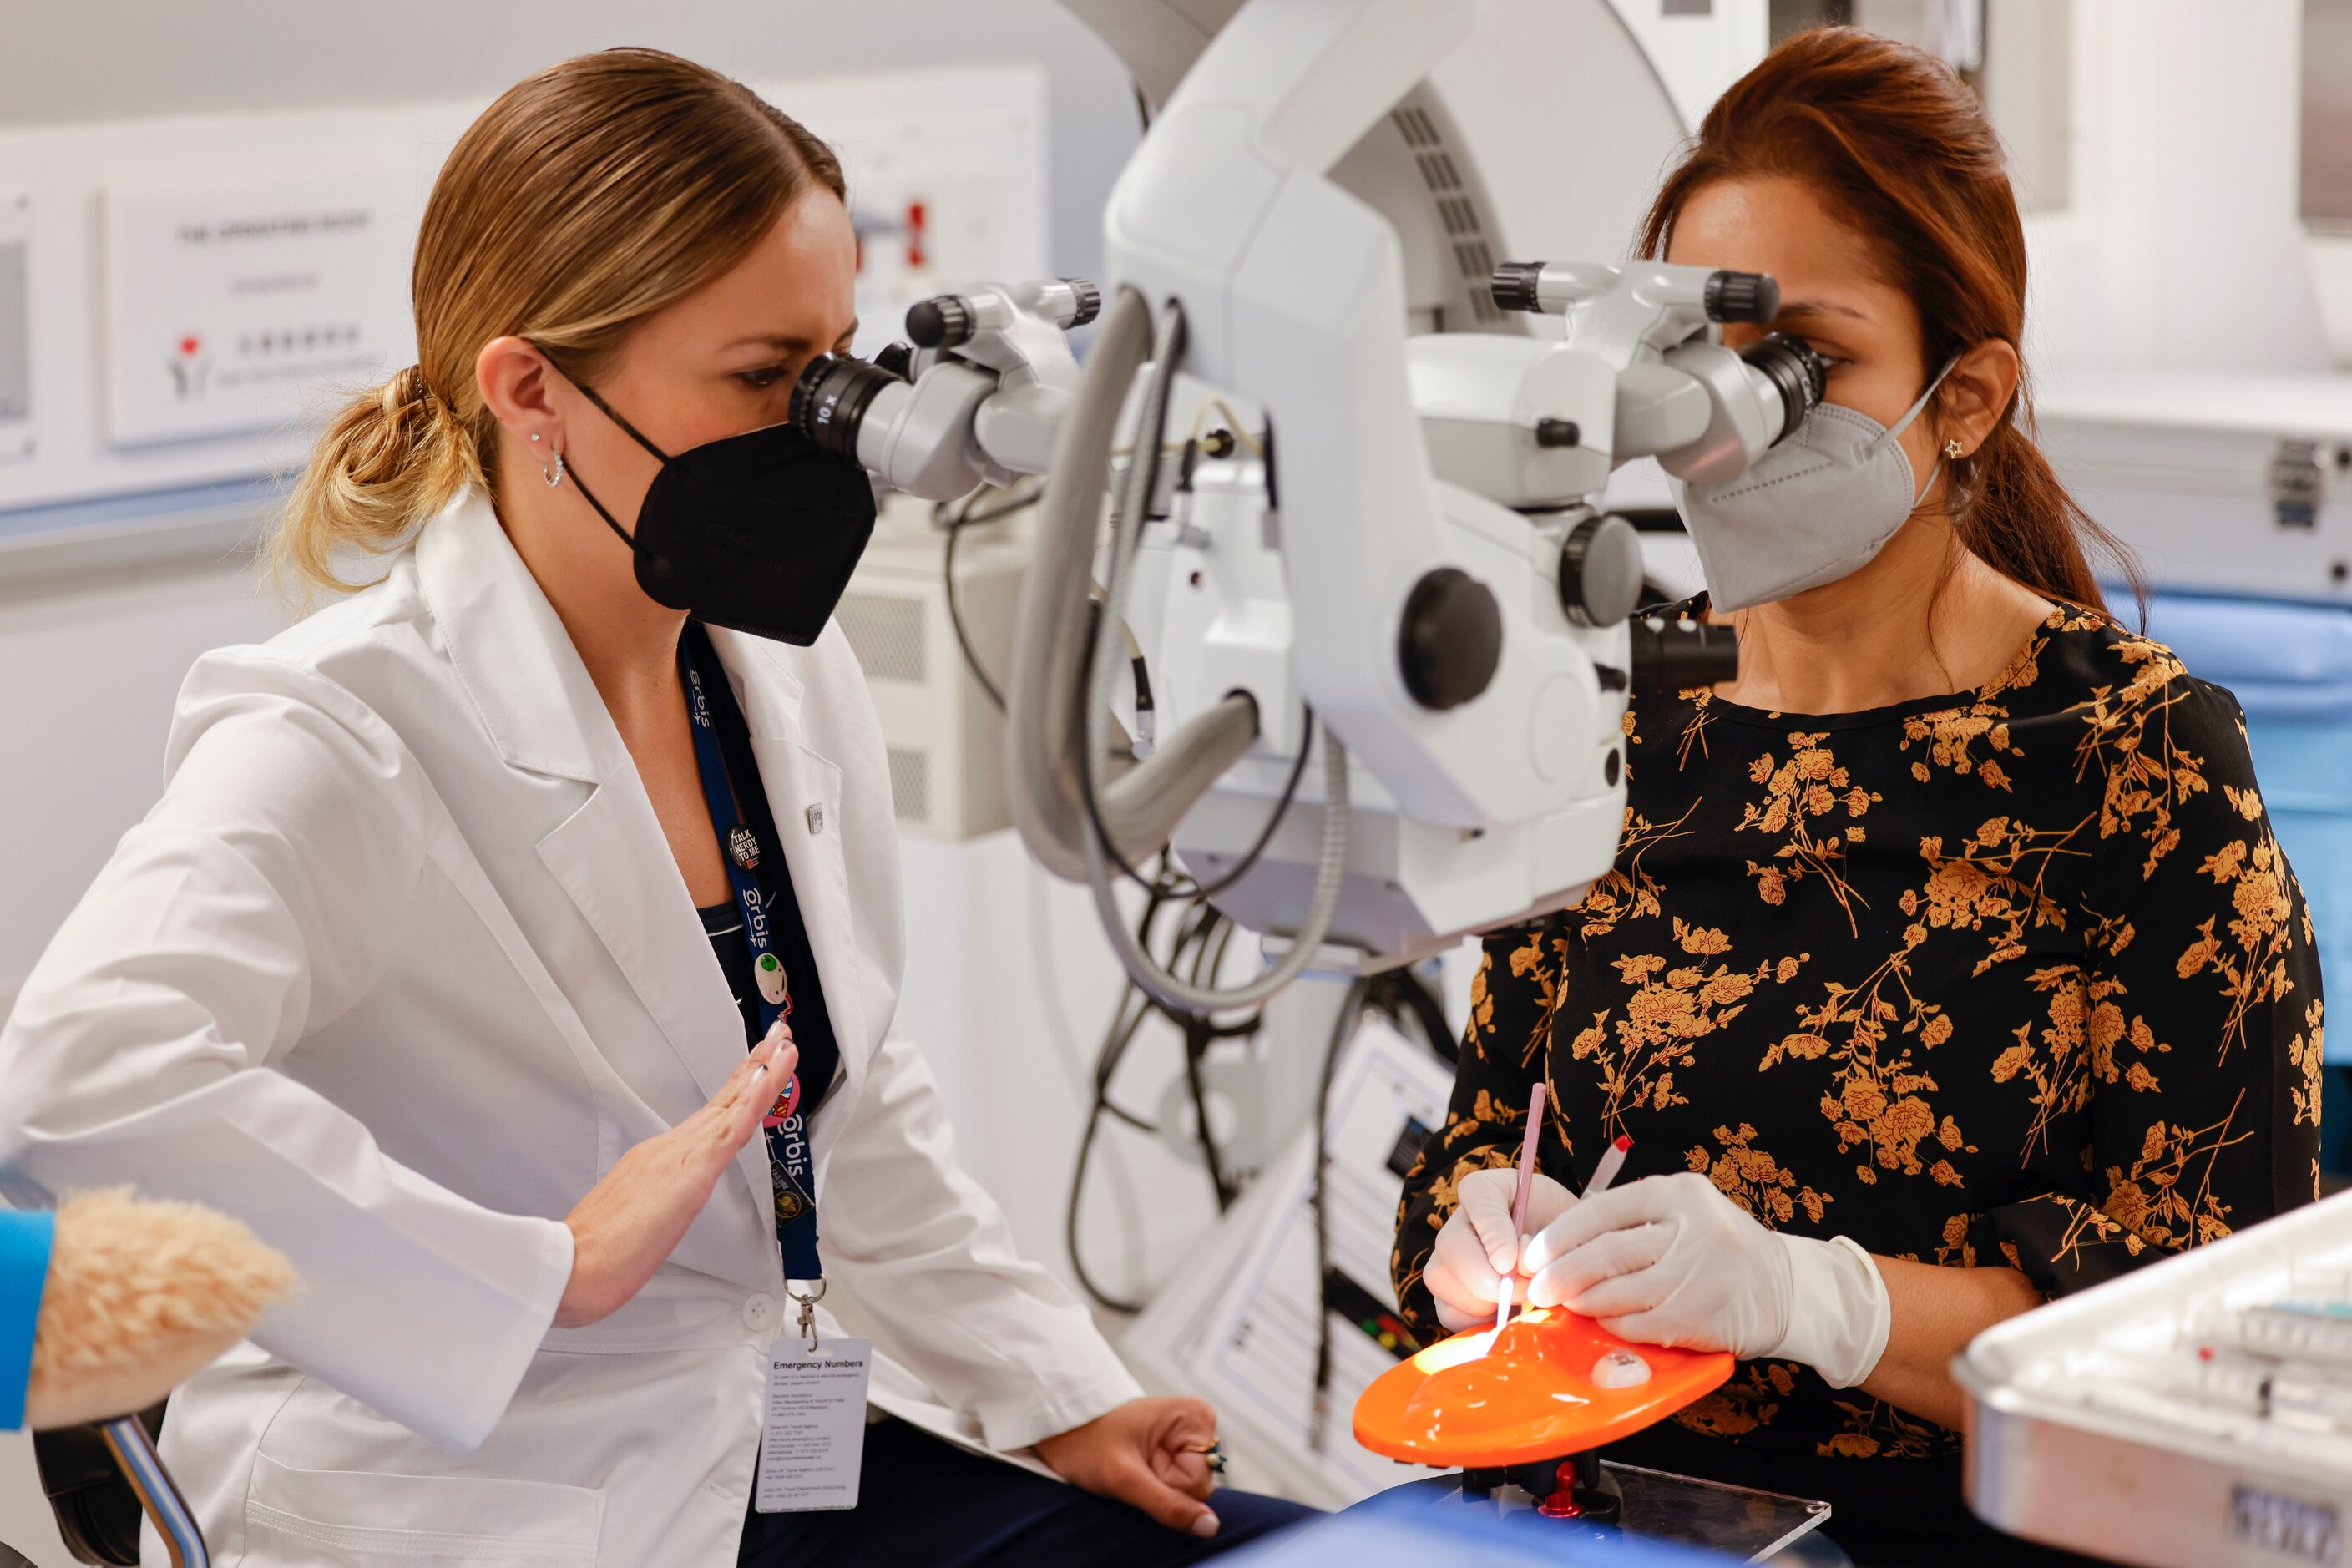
[237, 308]
[246, 273]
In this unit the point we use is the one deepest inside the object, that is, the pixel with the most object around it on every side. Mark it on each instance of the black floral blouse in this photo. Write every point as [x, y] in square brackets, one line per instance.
[2018, 978]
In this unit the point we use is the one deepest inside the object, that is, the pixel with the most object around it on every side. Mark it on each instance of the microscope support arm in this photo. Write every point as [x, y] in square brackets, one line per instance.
[1046, 697]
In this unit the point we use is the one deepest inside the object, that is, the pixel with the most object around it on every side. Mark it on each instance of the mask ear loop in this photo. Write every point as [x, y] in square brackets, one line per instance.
[632, 431]
[1903, 424]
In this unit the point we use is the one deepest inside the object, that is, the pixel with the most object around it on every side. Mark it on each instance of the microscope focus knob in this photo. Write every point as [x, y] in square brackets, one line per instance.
[941, 321]
[1451, 642]
[1089, 302]
[1601, 571]
[1742, 296]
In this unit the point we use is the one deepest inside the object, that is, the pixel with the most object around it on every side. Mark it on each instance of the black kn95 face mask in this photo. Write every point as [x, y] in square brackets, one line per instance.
[758, 532]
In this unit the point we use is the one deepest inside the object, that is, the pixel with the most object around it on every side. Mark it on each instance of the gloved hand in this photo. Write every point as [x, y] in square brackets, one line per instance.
[1478, 1245]
[1669, 1260]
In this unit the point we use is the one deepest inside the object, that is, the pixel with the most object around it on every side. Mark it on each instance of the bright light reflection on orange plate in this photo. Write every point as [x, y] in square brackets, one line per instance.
[1481, 1400]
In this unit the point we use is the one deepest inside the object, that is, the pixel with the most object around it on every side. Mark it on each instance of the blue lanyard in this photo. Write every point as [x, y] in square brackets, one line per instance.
[788, 1164]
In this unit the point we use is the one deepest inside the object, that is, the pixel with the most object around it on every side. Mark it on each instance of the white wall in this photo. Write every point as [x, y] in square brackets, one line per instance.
[88, 666]
[2181, 248]
[116, 59]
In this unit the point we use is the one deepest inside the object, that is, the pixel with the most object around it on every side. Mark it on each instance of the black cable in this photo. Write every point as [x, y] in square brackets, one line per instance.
[1419, 998]
[1145, 707]
[1211, 937]
[1281, 809]
[1225, 939]
[1203, 940]
[1266, 450]
[966, 517]
[1113, 1050]
[988, 687]
[1124, 1028]
[1019, 501]
[1070, 1224]
[1200, 927]
[1196, 1045]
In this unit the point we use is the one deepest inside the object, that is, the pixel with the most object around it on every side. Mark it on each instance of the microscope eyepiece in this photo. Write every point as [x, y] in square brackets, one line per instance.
[940, 321]
[1795, 371]
[1513, 286]
[830, 399]
[1742, 296]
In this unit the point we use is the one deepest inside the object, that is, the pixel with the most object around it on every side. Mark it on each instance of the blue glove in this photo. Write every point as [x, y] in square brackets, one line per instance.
[24, 1242]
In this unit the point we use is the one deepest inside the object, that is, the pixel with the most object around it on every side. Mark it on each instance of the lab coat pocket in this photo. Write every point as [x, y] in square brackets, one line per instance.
[324, 1519]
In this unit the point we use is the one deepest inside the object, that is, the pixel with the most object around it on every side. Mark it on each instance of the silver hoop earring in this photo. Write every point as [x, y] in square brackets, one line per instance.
[553, 476]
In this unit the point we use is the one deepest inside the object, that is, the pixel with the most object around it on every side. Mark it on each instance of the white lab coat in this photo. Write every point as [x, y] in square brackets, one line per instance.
[399, 965]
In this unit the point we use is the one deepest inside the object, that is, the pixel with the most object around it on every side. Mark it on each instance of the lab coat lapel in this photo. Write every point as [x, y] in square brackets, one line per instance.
[614, 859]
[542, 712]
[804, 791]
[611, 855]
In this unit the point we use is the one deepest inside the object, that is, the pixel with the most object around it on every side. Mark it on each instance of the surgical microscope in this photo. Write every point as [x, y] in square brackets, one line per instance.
[1403, 573]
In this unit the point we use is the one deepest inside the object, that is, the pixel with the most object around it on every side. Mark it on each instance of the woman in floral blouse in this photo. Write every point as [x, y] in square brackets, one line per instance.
[1949, 962]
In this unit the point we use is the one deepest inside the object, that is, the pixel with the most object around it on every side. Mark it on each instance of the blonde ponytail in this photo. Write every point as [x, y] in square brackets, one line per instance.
[392, 457]
[588, 198]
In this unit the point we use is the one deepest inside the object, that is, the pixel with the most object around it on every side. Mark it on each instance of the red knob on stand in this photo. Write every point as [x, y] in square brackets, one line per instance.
[1562, 1502]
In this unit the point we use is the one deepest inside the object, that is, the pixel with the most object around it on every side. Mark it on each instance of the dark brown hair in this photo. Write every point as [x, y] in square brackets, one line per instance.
[1895, 144]
[588, 198]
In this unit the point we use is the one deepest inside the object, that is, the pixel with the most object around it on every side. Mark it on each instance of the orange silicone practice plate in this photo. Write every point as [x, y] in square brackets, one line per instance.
[1462, 1404]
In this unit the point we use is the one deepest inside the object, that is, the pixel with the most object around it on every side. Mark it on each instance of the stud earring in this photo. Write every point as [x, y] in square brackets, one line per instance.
[534, 434]
[553, 476]
[1952, 447]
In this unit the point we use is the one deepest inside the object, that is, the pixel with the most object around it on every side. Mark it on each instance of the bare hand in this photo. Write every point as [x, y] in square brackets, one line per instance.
[629, 1222]
[1141, 1454]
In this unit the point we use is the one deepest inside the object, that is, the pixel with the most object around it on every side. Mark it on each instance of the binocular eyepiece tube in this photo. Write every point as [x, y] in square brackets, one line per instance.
[1547, 287]
[839, 396]
[949, 321]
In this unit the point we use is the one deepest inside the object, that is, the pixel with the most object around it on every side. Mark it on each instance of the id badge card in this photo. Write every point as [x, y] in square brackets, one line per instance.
[813, 1437]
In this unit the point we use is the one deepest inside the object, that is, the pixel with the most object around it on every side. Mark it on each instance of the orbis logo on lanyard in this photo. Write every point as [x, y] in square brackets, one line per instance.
[812, 1437]
[767, 969]
[788, 1149]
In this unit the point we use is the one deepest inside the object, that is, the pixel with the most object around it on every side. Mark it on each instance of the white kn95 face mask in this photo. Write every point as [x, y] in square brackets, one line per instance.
[1812, 510]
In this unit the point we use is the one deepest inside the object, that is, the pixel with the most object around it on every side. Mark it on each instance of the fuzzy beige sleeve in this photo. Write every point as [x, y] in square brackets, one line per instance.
[140, 1294]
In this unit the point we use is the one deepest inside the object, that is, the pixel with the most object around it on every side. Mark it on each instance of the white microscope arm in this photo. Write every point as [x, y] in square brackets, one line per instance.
[1428, 627]
[1293, 296]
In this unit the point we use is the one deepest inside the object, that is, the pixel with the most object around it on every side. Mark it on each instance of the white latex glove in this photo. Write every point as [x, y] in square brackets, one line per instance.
[1478, 1245]
[1669, 1260]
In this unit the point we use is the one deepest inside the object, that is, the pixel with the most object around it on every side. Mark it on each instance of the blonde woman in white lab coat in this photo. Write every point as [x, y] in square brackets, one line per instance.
[405, 968]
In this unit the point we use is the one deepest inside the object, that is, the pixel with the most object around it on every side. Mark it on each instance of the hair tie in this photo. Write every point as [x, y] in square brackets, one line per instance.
[413, 389]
